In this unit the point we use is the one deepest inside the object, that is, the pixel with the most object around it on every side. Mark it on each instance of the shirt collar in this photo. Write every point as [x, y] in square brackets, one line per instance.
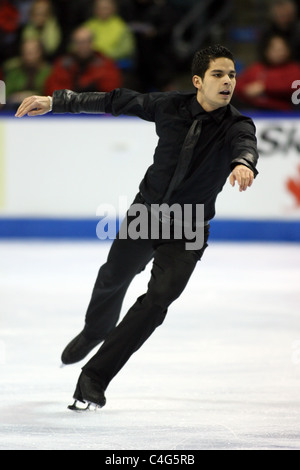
[198, 111]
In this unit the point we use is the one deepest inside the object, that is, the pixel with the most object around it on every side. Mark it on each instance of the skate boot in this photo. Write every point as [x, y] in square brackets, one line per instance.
[88, 392]
[78, 349]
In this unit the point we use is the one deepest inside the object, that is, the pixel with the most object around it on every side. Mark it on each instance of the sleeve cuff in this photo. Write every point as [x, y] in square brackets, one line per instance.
[242, 161]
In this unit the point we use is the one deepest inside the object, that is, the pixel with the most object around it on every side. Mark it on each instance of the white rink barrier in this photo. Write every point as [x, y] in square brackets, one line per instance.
[55, 171]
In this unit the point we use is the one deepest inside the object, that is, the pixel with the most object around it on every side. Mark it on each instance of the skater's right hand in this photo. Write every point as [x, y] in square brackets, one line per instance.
[34, 106]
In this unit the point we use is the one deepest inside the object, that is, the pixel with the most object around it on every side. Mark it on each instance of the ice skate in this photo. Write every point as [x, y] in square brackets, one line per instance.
[89, 393]
[78, 349]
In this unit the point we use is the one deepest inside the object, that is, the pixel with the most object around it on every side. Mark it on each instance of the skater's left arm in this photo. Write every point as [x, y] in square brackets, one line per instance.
[243, 145]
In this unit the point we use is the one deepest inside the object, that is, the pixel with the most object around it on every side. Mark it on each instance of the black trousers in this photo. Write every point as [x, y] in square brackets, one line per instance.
[172, 267]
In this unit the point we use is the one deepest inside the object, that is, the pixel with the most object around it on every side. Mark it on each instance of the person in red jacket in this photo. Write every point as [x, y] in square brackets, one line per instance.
[267, 84]
[83, 69]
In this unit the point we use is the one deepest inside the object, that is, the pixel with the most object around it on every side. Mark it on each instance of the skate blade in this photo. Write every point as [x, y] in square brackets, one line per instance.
[86, 407]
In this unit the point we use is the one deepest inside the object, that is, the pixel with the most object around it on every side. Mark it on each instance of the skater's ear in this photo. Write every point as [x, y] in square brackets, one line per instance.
[197, 82]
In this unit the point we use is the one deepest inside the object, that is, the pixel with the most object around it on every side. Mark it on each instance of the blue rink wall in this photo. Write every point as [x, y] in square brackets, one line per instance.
[55, 171]
[85, 229]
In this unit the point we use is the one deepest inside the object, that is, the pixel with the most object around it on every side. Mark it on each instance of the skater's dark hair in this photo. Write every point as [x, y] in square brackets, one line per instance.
[202, 58]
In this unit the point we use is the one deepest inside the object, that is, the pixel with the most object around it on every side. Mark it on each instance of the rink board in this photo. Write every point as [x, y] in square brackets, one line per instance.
[85, 229]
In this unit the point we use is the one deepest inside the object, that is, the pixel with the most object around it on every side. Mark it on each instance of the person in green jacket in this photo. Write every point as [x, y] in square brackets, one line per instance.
[27, 74]
[43, 26]
[112, 36]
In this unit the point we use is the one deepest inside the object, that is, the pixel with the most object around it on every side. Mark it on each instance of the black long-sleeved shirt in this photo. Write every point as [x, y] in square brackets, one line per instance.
[227, 139]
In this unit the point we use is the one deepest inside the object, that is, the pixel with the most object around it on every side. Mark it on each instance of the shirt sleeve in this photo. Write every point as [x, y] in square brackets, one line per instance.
[67, 101]
[131, 103]
[243, 144]
[120, 101]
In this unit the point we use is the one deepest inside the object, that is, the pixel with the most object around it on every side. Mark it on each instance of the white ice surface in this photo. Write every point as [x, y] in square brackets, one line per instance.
[223, 372]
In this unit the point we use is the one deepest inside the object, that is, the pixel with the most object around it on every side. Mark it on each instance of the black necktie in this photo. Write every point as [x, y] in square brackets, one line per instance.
[185, 158]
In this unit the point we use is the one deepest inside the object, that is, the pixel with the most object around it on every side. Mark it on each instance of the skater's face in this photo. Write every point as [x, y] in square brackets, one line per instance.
[215, 90]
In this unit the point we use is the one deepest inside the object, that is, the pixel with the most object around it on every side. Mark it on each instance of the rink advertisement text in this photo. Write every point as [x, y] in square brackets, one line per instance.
[279, 139]
[150, 458]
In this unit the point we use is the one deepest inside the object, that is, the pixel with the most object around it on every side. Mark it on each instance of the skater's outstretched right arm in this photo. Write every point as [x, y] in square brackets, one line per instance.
[62, 101]
[117, 102]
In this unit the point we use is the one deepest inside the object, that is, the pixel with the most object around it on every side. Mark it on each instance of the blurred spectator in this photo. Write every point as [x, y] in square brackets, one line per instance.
[43, 26]
[26, 75]
[112, 36]
[83, 69]
[283, 21]
[71, 14]
[9, 29]
[267, 84]
[152, 21]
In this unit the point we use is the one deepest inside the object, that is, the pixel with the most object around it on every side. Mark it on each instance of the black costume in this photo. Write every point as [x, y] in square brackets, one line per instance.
[216, 142]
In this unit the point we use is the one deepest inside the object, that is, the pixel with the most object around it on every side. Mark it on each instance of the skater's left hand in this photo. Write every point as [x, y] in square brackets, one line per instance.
[243, 175]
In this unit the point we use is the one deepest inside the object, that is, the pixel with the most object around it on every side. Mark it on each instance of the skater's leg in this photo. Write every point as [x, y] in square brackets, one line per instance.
[172, 268]
[126, 259]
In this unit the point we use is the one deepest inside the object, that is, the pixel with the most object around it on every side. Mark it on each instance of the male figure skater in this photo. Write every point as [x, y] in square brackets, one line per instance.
[202, 140]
